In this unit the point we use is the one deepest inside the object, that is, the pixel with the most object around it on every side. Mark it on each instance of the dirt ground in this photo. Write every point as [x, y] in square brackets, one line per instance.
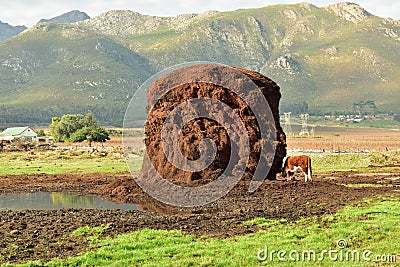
[45, 234]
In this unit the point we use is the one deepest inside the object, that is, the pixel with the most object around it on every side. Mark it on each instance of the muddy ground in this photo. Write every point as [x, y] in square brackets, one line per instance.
[42, 235]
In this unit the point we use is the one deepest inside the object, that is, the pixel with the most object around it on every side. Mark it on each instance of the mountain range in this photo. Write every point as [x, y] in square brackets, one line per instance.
[7, 31]
[69, 17]
[325, 59]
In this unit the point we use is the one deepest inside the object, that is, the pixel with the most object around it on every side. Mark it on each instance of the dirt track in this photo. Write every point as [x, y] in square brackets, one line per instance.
[30, 235]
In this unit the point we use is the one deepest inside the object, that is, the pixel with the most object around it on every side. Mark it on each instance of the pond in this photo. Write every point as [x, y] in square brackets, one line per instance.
[57, 200]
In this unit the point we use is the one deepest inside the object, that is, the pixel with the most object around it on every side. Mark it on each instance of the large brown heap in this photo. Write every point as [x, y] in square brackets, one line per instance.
[160, 105]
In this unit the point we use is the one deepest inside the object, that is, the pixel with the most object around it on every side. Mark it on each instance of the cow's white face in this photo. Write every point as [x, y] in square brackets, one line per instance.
[295, 163]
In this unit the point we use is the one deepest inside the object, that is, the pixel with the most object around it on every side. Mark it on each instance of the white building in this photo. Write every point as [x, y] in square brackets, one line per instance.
[18, 133]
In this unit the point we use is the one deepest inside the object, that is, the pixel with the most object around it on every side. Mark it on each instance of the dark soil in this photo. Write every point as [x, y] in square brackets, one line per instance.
[42, 235]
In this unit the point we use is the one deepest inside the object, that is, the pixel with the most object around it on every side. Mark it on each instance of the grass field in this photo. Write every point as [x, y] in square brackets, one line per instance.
[369, 162]
[384, 143]
[367, 228]
[55, 162]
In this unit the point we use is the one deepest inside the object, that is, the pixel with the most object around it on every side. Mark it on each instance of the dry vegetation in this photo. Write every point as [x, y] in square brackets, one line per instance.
[325, 138]
[349, 139]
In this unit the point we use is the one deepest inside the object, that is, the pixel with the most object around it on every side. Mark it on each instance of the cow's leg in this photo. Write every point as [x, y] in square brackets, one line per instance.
[305, 174]
[289, 175]
[305, 177]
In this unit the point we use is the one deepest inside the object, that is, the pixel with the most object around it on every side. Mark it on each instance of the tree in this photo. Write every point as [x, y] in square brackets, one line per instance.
[55, 129]
[100, 134]
[40, 133]
[295, 108]
[62, 128]
[77, 128]
[80, 135]
[89, 120]
[97, 134]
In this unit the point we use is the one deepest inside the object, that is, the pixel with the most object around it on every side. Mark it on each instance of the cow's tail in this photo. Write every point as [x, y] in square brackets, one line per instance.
[284, 168]
[309, 169]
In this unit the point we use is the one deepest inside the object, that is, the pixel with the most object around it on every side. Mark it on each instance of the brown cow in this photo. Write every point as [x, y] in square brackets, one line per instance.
[294, 163]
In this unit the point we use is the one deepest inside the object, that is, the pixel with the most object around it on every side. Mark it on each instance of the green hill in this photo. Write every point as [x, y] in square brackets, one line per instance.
[324, 58]
[56, 68]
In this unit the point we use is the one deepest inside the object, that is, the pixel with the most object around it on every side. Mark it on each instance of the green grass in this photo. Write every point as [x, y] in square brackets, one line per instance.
[88, 231]
[57, 162]
[366, 162]
[368, 226]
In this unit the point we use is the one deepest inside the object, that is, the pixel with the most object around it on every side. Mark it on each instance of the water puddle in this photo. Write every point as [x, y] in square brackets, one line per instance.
[56, 200]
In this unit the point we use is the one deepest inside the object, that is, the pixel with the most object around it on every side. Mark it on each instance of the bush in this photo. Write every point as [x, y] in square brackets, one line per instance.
[78, 128]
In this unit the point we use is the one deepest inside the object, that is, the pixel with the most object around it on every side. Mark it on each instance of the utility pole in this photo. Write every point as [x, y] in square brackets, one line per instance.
[304, 125]
[287, 127]
[313, 131]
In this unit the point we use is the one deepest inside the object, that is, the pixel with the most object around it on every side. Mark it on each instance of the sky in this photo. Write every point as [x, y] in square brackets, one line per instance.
[29, 12]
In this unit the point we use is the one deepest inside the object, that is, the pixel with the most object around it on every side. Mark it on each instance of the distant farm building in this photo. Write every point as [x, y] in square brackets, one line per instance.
[12, 134]
[44, 139]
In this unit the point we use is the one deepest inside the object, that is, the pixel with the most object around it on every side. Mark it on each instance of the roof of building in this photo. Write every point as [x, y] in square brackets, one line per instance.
[14, 131]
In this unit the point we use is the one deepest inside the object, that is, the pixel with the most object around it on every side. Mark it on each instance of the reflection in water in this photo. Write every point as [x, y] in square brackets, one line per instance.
[70, 200]
[54, 201]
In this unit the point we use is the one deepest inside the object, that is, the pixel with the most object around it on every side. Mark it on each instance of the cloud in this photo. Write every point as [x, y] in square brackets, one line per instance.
[28, 12]
[385, 8]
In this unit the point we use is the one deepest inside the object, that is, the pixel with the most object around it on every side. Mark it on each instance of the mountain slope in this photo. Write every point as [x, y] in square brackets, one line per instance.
[7, 31]
[54, 69]
[323, 58]
[327, 57]
[69, 17]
